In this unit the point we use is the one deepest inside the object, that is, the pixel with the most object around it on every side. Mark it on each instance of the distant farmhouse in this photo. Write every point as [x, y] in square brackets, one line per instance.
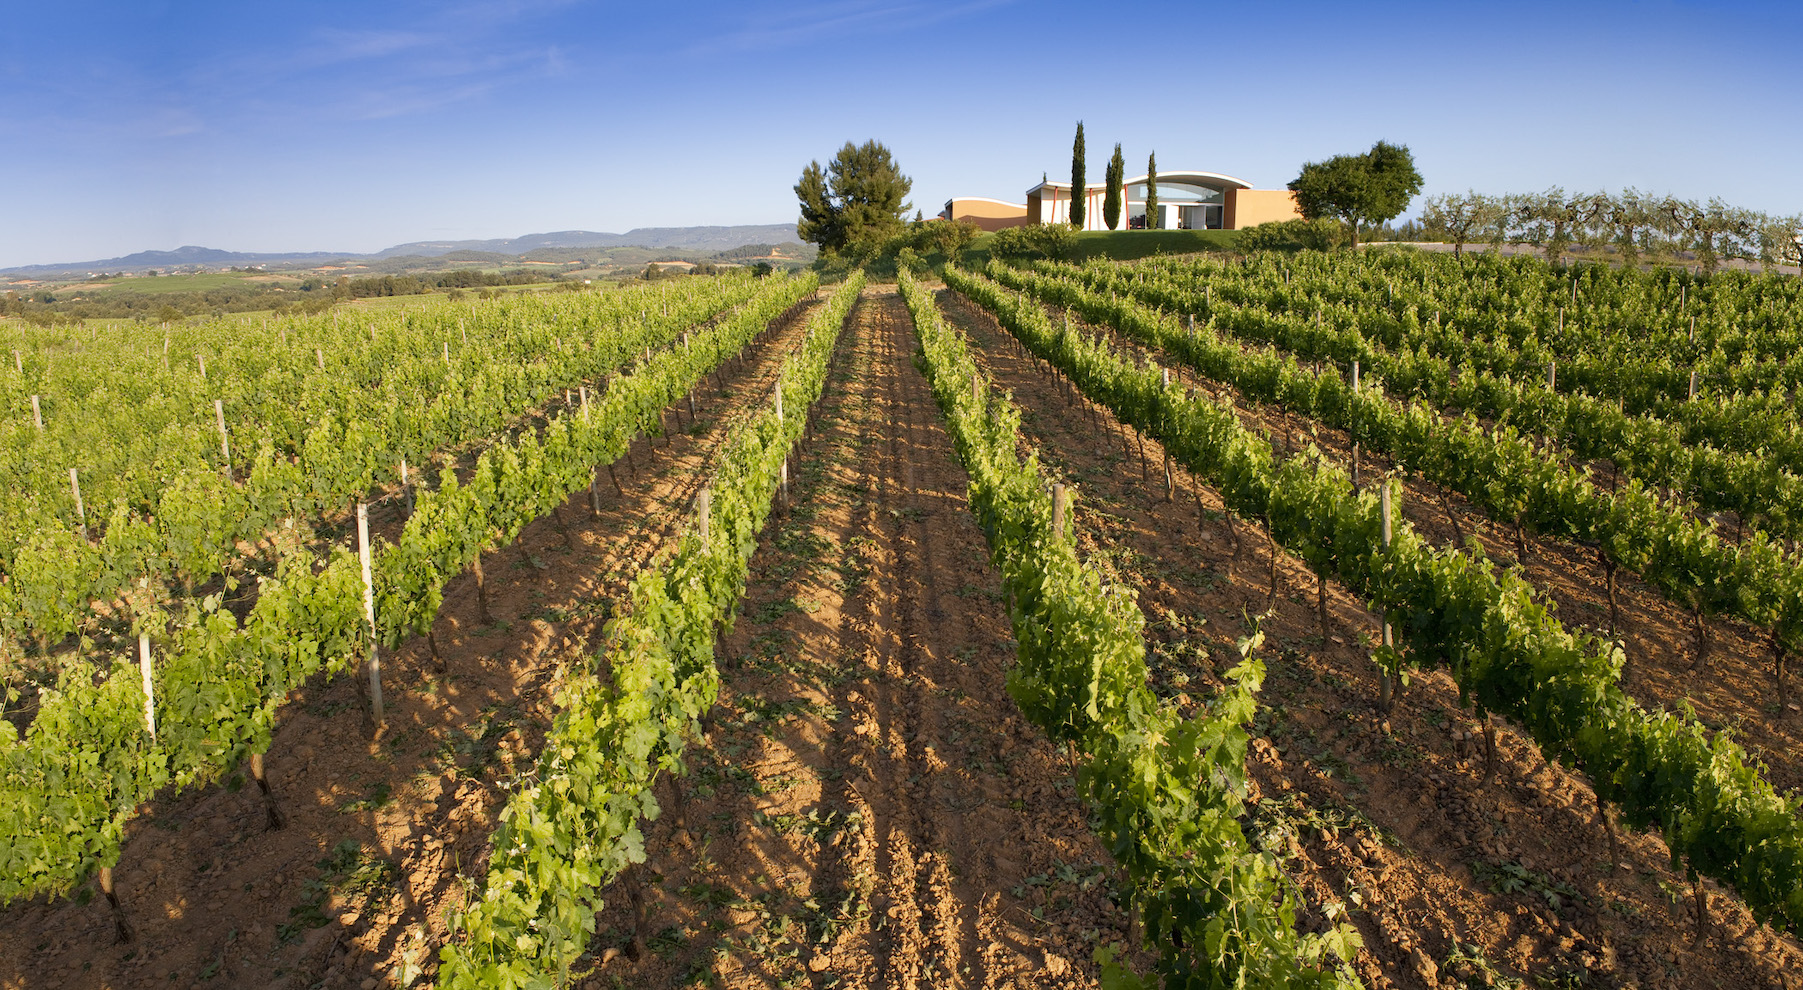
[1186, 201]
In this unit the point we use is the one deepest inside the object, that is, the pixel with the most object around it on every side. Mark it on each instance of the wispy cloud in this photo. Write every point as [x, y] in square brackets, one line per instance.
[339, 45]
[471, 51]
[806, 25]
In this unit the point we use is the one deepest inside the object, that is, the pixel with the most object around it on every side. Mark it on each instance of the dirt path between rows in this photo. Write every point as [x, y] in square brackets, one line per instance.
[1385, 817]
[869, 809]
[1734, 689]
[383, 836]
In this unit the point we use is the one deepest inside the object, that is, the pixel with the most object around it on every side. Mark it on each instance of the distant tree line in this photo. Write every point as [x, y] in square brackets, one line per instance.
[675, 267]
[1631, 224]
[411, 285]
[74, 304]
[746, 252]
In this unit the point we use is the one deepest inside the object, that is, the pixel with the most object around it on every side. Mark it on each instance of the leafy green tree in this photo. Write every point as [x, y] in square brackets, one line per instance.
[859, 198]
[1111, 203]
[1363, 189]
[1152, 221]
[1079, 180]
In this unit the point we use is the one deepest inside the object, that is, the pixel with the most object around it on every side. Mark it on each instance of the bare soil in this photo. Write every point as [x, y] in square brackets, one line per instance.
[1385, 816]
[869, 808]
[1734, 687]
[384, 831]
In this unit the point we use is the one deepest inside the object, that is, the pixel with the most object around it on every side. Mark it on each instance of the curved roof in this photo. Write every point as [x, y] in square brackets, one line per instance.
[984, 199]
[1213, 180]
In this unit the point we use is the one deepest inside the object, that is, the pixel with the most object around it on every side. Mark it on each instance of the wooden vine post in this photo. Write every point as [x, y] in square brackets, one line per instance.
[1355, 425]
[1170, 479]
[225, 442]
[369, 614]
[37, 413]
[1059, 501]
[144, 671]
[705, 511]
[406, 492]
[1693, 385]
[1552, 376]
[784, 477]
[1386, 684]
[81, 511]
[122, 932]
[320, 356]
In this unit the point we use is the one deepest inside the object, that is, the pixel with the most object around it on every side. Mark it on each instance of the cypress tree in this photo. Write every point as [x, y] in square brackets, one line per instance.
[1079, 183]
[1152, 192]
[1111, 203]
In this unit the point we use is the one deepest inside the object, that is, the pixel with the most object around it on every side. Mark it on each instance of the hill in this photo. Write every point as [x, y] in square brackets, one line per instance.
[657, 238]
[691, 238]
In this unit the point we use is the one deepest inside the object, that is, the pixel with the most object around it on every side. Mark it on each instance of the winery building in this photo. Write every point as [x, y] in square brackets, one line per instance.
[1186, 201]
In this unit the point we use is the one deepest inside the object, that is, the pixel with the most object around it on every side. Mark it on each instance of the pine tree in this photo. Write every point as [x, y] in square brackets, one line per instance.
[1079, 182]
[1111, 203]
[860, 197]
[1152, 222]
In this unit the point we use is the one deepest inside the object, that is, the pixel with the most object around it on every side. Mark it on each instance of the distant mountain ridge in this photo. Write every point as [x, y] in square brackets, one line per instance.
[691, 238]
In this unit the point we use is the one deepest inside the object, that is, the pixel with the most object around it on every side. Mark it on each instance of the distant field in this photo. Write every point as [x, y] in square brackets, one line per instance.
[442, 297]
[199, 282]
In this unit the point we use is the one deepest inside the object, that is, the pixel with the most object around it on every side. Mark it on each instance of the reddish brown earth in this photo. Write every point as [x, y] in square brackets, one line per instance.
[1388, 817]
[869, 809]
[383, 833]
[1735, 688]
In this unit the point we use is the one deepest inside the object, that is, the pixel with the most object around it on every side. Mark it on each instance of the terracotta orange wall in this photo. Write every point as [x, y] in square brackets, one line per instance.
[1250, 207]
[989, 216]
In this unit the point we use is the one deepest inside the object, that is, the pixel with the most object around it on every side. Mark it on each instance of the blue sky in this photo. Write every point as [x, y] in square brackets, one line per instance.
[355, 126]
